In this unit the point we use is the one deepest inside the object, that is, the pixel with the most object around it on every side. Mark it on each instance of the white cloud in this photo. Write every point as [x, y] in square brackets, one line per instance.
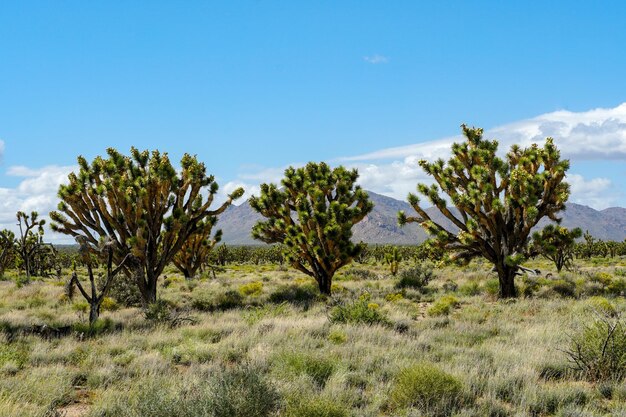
[596, 192]
[594, 134]
[376, 59]
[37, 192]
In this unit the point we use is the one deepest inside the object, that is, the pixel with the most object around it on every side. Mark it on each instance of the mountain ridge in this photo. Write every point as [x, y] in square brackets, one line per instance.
[380, 226]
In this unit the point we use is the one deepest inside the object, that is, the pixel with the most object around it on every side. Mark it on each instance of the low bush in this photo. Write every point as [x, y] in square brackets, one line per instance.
[598, 350]
[242, 392]
[428, 389]
[416, 277]
[99, 327]
[294, 294]
[315, 406]
[206, 301]
[492, 287]
[617, 287]
[251, 288]
[358, 311]
[109, 304]
[470, 288]
[319, 368]
[444, 305]
[564, 287]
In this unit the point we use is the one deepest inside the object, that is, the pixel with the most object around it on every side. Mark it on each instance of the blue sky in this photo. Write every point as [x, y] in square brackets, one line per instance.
[252, 87]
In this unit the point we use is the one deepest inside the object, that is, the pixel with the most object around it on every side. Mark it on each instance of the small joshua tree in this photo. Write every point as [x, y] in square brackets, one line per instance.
[29, 242]
[195, 252]
[7, 250]
[104, 250]
[393, 259]
[142, 204]
[557, 244]
[312, 215]
[497, 201]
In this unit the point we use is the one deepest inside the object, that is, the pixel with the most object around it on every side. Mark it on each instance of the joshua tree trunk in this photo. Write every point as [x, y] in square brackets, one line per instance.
[506, 277]
[324, 281]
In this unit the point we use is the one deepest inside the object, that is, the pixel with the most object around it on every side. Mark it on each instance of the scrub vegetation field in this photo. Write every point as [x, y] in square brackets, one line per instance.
[148, 317]
[260, 340]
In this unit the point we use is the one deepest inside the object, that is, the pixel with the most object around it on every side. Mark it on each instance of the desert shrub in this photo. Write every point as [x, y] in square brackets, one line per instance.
[124, 290]
[492, 287]
[358, 311]
[470, 288]
[242, 392]
[450, 286]
[230, 393]
[603, 278]
[295, 294]
[617, 287]
[251, 288]
[158, 312]
[493, 408]
[564, 287]
[98, 327]
[319, 368]
[81, 307]
[444, 305]
[338, 337]
[548, 401]
[15, 354]
[427, 388]
[416, 277]
[598, 350]
[554, 371]
[529, 286]
[602, 305]
[109, 304]
[315, 407]
[225, 300]
[358, 274]
[592, 289]
[394, 297]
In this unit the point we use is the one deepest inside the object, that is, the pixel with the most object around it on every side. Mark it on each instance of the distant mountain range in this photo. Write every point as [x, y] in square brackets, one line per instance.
[381, 225]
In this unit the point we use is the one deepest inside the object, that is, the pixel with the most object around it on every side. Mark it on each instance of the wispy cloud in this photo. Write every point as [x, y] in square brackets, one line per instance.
[594, 134]
[376, 59]
[36, 192]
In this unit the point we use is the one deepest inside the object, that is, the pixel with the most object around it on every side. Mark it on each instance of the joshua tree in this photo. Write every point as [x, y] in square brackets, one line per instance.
[312, 215]
[393, 259]
[142, 204]
[195, 252]
[105, 250]
[29, 242]
[7, 249]
[557, 244]
[497, 201]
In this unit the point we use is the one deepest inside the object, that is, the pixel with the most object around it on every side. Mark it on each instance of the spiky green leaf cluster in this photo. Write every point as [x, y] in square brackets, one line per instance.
[557, 244]
[495, 202]
[312, 215]
[141, 203]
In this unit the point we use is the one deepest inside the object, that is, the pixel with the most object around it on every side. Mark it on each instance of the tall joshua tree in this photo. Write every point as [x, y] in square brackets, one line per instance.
[29, 242]
[195, 252]
[498, 201]
[312, 215]
[142, 204]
